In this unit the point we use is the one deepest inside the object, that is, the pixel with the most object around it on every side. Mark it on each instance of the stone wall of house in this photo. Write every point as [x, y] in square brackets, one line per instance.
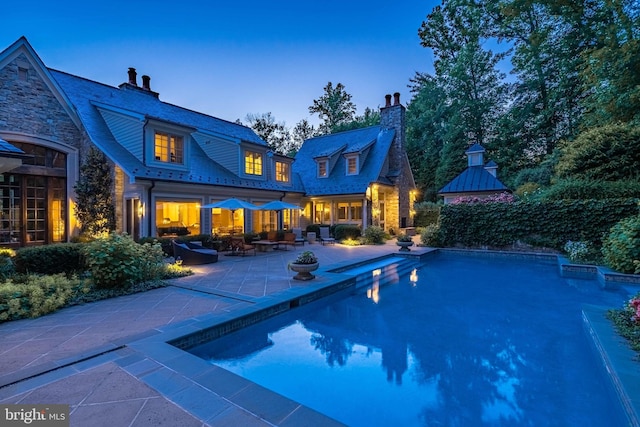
[28, 106]
[392, 116]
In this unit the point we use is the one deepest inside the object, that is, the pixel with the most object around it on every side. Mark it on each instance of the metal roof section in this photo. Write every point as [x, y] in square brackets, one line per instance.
[475, 148]
[374, 138]
[92, 99]
[474, 179]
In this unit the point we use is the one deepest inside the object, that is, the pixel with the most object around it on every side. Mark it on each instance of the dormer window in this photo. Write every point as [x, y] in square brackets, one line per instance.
[352, 165]
[323, 168]
[282, 171]
[168, 148]
[252, 163]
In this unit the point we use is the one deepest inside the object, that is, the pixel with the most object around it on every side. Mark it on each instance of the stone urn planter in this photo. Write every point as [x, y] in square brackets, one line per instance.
[304, 265]
[404, 242]
[304, 270]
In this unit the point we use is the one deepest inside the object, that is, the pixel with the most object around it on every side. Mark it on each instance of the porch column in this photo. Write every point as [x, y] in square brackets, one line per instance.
[365, 217]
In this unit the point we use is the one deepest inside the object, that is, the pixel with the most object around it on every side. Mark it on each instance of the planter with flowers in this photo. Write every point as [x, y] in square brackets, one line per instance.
[304, 264]
[404, 242]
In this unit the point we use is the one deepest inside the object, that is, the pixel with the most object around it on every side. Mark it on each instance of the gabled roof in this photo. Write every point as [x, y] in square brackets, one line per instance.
[374, 139]
[473, 179]
[88, 97]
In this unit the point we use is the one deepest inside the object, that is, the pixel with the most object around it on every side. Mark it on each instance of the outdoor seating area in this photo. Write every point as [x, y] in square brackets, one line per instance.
[193, 254]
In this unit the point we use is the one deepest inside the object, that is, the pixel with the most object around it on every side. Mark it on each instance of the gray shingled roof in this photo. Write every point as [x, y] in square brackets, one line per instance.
[347, 142]
[203, 170]
[473, 179]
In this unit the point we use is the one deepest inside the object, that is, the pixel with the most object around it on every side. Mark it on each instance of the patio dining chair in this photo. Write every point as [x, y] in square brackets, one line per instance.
[240, 247]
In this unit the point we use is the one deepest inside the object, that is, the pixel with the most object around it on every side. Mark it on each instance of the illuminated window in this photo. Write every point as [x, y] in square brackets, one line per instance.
[352, 165]
[168, 148]
[252, 163]
[282, 172]
[322, 169]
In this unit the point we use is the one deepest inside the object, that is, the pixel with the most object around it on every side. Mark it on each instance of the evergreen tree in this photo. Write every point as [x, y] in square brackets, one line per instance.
[95, 206]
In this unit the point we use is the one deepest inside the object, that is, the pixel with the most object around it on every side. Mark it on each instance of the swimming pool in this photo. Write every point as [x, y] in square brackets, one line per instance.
[461, 341]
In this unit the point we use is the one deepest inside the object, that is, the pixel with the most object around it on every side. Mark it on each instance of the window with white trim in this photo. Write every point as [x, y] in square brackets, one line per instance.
[282, 171]
[168, 148]
[352, 165]
[323, 168]
[252, 163]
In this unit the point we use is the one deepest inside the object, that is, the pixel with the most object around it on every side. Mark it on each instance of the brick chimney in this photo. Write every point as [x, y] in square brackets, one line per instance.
[132, 84]
[133, 76]
[146, 83]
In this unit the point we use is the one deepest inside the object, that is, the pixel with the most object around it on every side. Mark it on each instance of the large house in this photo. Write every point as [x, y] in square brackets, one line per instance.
[168, 161]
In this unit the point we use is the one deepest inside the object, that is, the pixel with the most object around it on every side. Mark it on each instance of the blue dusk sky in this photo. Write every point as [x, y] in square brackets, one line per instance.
[234, 58]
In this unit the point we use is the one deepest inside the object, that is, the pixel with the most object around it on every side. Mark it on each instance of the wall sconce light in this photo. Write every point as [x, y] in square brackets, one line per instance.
[141, 209]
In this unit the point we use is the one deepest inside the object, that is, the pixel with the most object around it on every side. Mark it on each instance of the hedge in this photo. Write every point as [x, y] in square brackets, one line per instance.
[537, 223]
[50, 259]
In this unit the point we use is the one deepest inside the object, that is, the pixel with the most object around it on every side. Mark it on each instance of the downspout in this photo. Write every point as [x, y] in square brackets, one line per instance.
[149, 192]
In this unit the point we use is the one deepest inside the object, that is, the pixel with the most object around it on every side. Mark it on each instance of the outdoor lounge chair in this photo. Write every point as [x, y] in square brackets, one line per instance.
[298, 233]
[192, 254]
[240, 247]
[324, 236]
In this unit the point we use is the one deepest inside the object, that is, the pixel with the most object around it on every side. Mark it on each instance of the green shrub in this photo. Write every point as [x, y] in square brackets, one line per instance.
[627, 321]
[581, 189]
[374, 235]
[430, 236]
[427, 213]
[7, 266]
[314, 228]
[537, 223]
[118, 261]
[346, 231]
[50, 259]
[610, 153]
[621, 248]
[35, 296]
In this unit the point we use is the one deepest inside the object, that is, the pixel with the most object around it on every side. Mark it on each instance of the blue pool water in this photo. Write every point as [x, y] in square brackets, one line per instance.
[459, 341]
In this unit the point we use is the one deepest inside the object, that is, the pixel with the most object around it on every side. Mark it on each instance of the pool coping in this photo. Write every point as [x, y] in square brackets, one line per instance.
[162, 362]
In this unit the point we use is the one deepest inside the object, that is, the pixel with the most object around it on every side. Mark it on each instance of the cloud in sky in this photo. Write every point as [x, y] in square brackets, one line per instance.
[236, 58]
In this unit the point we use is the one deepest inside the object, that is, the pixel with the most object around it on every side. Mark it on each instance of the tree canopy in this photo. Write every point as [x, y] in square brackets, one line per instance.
[574, 83]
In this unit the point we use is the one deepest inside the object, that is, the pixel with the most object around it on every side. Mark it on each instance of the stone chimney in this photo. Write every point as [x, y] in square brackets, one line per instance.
[133, 76]
[393, 117]
[146, 83]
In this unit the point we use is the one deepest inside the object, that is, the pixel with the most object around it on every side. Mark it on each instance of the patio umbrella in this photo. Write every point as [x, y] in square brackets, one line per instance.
[232, 205]
[278, 205]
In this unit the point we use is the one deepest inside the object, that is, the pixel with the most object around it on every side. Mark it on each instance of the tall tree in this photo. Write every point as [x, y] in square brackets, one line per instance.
[427, 118]
[334, 107]
[370, 117]
[95, 207]
[611, 70]
[275, 134]
[302, 131]
[473, 90]
[456, 33]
